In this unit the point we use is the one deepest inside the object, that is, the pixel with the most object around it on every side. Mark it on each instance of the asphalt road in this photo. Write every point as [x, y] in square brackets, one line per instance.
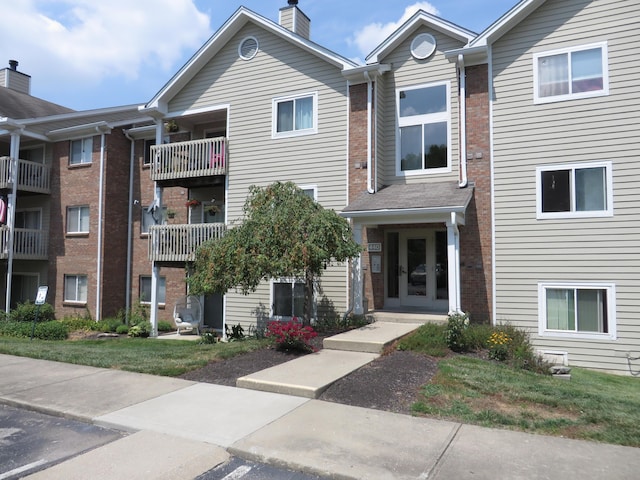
[31, 441]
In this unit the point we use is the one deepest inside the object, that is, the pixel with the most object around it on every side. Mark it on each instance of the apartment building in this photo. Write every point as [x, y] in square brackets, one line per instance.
[485, 173]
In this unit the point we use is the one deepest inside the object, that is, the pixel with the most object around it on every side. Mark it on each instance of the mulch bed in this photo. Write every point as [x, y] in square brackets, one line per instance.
[391, 382]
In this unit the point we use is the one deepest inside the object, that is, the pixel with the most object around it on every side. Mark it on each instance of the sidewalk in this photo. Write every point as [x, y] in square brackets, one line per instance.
[180, 429]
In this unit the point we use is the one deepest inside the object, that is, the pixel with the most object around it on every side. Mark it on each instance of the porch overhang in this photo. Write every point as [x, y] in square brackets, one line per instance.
[407, 204]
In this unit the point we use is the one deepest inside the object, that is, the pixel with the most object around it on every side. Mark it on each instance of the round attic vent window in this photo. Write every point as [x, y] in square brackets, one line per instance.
[423, 46]
[248, 48]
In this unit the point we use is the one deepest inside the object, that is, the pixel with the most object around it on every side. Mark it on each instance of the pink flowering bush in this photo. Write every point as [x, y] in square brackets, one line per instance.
[291, 335]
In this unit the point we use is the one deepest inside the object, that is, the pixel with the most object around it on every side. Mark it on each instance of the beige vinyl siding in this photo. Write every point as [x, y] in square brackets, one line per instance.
[255, 158]
[407, 72]
[598, 129]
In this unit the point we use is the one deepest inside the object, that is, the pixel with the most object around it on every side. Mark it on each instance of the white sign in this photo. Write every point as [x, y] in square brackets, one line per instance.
[42, 295]
[374, 247]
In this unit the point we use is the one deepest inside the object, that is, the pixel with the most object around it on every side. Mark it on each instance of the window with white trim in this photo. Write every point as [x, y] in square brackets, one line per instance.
[575, 190]
[295, 115]
[78, 219]
[288, 298]
[81, 151]
[574, 72]
[424, 128]
[148, 218]
[75, 288]
[581, 309]
[145, 289]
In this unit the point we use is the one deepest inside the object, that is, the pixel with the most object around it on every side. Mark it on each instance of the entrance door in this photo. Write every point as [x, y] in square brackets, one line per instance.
[417, 269]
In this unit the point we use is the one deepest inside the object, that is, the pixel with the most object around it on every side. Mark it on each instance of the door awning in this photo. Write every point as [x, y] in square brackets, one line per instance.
[415, 203]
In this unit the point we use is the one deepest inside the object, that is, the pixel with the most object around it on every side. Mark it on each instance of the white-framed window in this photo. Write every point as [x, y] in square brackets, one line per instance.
[148, 218]
[572, 72]
[310, 190]
[145, 289]
[147, 160]
[287, 298]
[75, 288]
[576, 309]
[81, 151]
[574, 190]
[424, 129]
[78, 219]
[295, 115]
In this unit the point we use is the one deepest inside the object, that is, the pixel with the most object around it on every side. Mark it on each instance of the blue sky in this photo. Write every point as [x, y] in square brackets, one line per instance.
[87, 54]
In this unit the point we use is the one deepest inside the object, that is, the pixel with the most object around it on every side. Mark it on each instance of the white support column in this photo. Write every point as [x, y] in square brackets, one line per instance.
[14, 153]
[453, 264]
[157, 215]
[358, 307]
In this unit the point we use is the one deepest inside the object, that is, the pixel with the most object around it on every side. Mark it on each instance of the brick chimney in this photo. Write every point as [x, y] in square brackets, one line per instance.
[292, 18]
[11, 78]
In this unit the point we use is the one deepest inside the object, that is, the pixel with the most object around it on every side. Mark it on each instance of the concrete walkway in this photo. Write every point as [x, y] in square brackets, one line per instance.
[181, 429]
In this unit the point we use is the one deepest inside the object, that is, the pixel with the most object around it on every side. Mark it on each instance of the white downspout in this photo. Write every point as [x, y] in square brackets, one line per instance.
[463, 122]
[129, 227]
[14, 153]
[100, 229]
[369, 130]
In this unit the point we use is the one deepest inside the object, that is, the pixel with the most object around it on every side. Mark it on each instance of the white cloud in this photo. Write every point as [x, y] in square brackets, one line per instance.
[370, 36]
[90, 41]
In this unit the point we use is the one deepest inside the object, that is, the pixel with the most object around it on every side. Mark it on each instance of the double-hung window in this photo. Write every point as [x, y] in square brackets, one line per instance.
[295, 115]
[424, 122]
[585, 310]
[75, 288]
[145, 289]
[147, 160]
[78, 219]
[576, 190]
[81, 151]
[287, 298]
[574, 72]
[149, 218]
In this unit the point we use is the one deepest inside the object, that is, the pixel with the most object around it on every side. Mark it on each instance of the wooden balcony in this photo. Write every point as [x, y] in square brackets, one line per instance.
[178, 243]
[27, 244]
[32, 176]
[196, 158]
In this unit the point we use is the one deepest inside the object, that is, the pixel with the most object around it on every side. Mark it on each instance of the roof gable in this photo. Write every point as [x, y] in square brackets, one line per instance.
[419, 18]
[219, 39]
[506, 22]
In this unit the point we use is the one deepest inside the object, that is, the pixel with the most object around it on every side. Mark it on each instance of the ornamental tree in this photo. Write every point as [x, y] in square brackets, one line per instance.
[284, 233]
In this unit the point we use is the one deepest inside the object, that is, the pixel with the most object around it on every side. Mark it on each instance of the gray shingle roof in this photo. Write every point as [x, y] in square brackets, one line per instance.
[19, 105]
[440, 195]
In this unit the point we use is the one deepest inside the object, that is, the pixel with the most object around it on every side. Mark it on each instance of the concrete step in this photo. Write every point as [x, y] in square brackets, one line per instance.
[307, 376]
[408, 317]
[372, 338]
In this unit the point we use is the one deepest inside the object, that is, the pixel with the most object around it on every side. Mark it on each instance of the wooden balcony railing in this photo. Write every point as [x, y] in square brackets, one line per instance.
[195, 158]
[178, 243]
[27, 244]
[32, 176]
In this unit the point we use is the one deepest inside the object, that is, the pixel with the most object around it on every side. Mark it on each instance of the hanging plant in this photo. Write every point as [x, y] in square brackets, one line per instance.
[192, 203]
[212, 209]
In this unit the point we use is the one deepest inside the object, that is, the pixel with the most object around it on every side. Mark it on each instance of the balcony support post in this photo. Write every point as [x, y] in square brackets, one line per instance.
[157, 215]
[11, 211]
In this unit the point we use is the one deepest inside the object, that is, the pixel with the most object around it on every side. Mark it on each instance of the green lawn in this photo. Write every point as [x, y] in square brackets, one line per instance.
[156, 357]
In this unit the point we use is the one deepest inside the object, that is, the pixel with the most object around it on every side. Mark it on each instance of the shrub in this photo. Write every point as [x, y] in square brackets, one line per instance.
[164, 326]
[291, 335]
[457, 325]
[499, 344]
[208, 338]
[234, 333]
[142, 329]
[122, 329]
[428, 339]
[26, 312]
[50, 330]
[107, 325]
[77, 323]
